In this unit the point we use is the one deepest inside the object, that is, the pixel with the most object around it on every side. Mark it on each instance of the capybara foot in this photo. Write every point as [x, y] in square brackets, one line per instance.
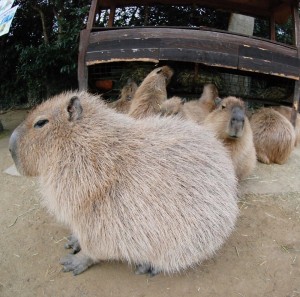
[146, 269]
[73, 243]
[263, 158]
[76, 263]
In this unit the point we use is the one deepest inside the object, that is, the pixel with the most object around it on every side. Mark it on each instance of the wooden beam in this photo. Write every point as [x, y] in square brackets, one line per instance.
[296, 98]
[272, 28]
[82, 71]
[111, 15]
[92, 14]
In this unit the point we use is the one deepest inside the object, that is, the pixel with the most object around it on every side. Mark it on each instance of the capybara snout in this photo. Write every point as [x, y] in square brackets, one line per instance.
[236, 124]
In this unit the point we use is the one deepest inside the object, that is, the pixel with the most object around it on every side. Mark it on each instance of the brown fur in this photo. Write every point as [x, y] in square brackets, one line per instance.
[287, 112]
[158, 190]
[123, 103]
[151, 93]
[172, 106]
[273, 135]
[241, 147]
[197, 110]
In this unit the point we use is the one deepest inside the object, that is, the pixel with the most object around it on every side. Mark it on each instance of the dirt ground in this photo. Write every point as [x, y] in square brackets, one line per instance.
[261, 258]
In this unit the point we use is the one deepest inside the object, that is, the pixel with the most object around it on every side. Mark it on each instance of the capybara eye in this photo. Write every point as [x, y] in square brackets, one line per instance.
[223, 106]
[40, 123]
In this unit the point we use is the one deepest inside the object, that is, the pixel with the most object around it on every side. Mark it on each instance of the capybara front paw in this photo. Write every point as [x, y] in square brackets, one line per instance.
[76, 263]
[146, 269]
[73, 243]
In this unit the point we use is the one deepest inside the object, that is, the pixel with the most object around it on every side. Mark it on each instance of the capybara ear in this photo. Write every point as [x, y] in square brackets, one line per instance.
[74, 109]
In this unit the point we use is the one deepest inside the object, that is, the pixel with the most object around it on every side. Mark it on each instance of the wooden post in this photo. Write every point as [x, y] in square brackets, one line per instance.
[82, 70]
[111, 15]
[296, 98]
[272, 27]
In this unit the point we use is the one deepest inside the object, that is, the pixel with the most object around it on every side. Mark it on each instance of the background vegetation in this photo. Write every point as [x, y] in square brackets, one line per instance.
[38, 57]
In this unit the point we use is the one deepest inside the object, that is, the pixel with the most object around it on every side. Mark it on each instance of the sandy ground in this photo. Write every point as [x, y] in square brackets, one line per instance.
[261, 258]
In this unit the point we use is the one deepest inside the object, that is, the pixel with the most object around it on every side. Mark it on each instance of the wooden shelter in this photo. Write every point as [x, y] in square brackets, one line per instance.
[246, 55]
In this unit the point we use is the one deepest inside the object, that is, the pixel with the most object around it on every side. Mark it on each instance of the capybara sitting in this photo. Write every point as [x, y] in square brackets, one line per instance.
[197, 110]
[151, 93]
[123, 103]
[273, 135]
[159, 192]
[287, 112]
[232, 127]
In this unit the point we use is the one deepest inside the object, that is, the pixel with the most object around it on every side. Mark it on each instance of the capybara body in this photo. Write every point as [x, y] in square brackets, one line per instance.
[273, 135]
[197, 110]
[287, 112]
[232, 127]
[172, 106]
[151, 93]
[123, 103]
[158, 192]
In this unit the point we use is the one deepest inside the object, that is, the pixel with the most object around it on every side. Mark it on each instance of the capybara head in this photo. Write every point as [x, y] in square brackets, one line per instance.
[233, 116]
[41, 133]
[128, 90]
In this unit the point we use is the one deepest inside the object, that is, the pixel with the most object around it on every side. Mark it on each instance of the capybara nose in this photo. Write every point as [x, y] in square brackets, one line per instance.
[238, 115]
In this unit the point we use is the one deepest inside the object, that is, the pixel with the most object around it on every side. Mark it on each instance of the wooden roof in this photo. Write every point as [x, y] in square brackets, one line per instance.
[281, 9]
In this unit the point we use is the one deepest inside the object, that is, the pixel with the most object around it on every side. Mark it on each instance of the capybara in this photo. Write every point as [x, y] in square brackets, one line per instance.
[197, 110]
[172, 106]
[232, 127]
[273, 135]
[287, 112]
[151, 93]
[159, 192]
[123, 103]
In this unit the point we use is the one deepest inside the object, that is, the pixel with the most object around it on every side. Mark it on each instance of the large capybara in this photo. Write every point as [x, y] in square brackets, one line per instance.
[123, 103]
[232, 127]
[273, 135]
[151, 93]
[197, 110]
[159, 192]
[287, 112]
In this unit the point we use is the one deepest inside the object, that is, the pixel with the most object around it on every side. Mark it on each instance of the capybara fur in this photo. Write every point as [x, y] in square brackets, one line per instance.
[287, 112]
[158, 192]
[197, 110]
[151, 93]
[172, 106]
[273, 135]
[123, 103]
[232, 127]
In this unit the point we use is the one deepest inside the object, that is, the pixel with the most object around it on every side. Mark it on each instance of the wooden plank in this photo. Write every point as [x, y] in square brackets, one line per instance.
[199, 56]
[92, 14]
[117, 55]
[268, 55]
[268, 67]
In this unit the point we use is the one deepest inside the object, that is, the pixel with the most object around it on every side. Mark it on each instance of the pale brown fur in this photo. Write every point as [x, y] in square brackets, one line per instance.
[273, 135]
[151, 93]
[197, 110]
[241, 147]
[287, 112]
[172, 106]
[159, 190]
[123, 103]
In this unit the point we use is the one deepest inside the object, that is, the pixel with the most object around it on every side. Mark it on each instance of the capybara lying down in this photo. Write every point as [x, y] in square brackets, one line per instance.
[151, 93]
[287, 112]
[123, 103]
[273, 135]
[158, 193]
[197, 110]
[232, 127]
[172, 106]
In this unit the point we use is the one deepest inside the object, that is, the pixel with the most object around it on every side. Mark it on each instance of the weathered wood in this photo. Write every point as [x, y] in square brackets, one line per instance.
[220, 49]
[272, 28]
[92, 14]
[111, 14]
[82, 71]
